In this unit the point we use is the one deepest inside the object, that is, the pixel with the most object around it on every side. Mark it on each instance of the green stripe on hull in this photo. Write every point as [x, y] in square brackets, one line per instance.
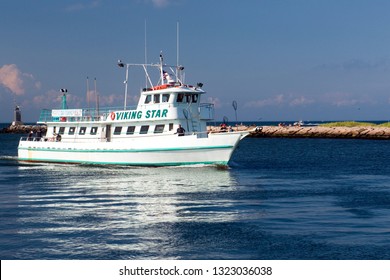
[127, 164]
[70, 150]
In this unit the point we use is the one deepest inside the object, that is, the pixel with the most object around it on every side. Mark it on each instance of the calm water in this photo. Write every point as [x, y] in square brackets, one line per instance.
[280, 199]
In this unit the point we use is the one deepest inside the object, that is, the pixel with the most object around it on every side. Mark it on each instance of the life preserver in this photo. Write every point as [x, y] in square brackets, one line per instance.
[160, 87]
[112, 116]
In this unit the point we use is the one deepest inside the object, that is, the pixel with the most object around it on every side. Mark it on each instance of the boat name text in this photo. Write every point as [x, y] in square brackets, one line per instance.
[132, 115]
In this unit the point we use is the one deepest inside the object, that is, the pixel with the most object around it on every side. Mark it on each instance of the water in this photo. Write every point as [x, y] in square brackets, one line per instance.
[280, 199]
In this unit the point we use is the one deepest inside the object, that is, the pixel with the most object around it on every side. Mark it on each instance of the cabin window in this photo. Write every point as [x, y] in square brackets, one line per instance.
[170, 126]
[72, 130]
[82, 130]
[156, 98]
[130, 130]
[165, 98]
[159, 128]
[180, 97]
[194, 98]
[94, 130]
[62, 130]
[148, 98]
[188, 98]
[118, 130]
[144, 129]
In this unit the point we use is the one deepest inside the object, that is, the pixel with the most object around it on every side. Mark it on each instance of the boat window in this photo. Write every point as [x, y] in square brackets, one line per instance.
[156, 98]
[94, 130]
[144, 129]
[82, 130]
[159, 128]
[194, 98]
[118, 130]
[130, 130]
[62, 130]
[72, 130]
[170, 126]
[188, 98]
[180, 97]
[148, 99]
[165, 98]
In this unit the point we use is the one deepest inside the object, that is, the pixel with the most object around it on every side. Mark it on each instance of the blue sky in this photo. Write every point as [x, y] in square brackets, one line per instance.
[279, 59]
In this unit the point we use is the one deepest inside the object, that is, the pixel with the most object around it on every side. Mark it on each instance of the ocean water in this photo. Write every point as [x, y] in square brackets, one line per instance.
[279, 199]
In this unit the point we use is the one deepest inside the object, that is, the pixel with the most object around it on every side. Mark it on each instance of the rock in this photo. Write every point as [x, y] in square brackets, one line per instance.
[22, 129]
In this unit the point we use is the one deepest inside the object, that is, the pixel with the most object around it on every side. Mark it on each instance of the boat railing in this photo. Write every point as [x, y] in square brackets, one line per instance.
[85, 115]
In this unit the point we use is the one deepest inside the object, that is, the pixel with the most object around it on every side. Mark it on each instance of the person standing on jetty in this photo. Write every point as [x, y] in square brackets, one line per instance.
[30, 136]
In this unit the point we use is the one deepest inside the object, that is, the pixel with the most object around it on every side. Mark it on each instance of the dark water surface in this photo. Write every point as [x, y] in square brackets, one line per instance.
[280, 199]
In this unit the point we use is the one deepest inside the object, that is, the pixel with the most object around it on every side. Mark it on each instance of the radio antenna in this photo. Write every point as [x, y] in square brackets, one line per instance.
[177, 51]
[146, 56]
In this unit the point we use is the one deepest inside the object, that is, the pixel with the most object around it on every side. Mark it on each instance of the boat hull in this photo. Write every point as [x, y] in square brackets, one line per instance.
[167, 150]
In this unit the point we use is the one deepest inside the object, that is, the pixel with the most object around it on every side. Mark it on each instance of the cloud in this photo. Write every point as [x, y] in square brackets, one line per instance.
[112, 99]
[12, 79]
[215, 101]
[160, 3]
[16, 81]
[346, 99]
[281, 99]
[83, 6]
[356, 64]
[301, 101]
[52, 99]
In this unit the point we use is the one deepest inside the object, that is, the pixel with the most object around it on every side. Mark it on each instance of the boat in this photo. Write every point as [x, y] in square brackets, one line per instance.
[151, 134]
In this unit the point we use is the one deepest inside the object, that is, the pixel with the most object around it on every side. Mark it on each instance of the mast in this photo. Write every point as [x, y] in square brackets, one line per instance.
[161, 68]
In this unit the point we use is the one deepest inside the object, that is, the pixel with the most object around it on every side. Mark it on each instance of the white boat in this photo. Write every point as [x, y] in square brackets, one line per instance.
[144, 136]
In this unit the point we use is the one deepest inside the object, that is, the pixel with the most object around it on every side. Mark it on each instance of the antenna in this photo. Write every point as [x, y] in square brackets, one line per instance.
[97, 100]
[146, 56]
[177, 51]
[88, 94]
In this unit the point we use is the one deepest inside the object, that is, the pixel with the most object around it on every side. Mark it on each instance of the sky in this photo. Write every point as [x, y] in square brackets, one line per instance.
[280, 60]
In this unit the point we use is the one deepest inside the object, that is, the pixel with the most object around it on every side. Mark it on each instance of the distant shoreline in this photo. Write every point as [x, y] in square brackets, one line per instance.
[359, 131]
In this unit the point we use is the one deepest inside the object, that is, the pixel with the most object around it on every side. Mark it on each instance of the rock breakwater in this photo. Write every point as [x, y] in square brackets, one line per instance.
[323, 132]
[22, 129]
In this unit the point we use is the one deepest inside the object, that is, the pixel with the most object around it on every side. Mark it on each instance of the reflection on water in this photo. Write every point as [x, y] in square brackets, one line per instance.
[131, 209]
[281, 199]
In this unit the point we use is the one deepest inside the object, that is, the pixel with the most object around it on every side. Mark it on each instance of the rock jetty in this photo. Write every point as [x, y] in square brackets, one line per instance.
[324, 132]
[22, 129]
[359, 132]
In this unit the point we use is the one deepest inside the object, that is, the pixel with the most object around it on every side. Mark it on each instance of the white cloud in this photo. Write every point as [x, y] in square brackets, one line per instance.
[272, 101]
[160, 3]
[300, 101]
[345, 99]
[12, 79]
[215, 101]
[279, 100]
[15, 81]
[83, 6]
[53, 98]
